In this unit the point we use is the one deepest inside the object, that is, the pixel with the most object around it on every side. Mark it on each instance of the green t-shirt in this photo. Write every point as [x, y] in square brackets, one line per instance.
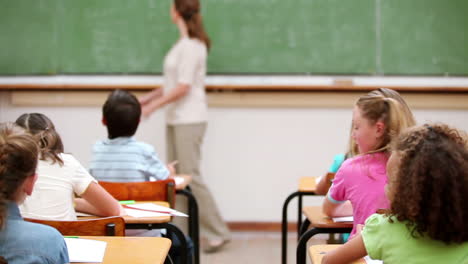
[393, 243]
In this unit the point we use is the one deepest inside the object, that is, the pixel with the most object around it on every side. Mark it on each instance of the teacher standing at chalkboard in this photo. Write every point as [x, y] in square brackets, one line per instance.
[186, 116]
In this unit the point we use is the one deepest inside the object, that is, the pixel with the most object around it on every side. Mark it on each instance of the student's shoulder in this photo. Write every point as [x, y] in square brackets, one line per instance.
[143, 146]
[69, 160]
[372, 158]
[348, 163]
[39, 243]
[38, 232]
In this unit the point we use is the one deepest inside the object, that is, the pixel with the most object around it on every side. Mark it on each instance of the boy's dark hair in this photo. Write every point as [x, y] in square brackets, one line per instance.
[121, 113]
[431, 184]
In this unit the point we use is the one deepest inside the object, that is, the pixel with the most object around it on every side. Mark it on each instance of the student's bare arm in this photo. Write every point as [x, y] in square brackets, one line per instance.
[337, 210]
[352, 250]
[97, 201]
[323, 185]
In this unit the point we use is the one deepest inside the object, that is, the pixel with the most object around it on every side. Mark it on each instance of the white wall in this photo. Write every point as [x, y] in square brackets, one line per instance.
[253, 157]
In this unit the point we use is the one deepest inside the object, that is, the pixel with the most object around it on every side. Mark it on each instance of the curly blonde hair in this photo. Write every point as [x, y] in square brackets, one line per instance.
[431, 184]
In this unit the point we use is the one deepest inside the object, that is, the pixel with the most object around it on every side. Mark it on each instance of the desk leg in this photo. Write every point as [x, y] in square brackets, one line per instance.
[299, 215]
[284, 222]
[303, 228]
[301, 251]
[194, 225]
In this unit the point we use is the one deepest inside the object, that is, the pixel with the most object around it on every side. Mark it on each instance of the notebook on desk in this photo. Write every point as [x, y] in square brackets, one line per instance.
[85, 250]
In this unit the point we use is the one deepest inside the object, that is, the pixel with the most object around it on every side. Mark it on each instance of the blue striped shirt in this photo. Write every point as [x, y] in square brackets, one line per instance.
[124, 159]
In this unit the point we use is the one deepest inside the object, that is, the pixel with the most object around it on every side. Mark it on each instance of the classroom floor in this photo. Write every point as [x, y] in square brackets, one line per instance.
[257, 247]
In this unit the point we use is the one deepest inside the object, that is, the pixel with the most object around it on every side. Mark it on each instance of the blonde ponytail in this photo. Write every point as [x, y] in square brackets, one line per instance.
[389, 108]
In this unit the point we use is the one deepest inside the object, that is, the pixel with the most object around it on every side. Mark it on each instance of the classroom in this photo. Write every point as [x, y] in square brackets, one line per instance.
[282, 79]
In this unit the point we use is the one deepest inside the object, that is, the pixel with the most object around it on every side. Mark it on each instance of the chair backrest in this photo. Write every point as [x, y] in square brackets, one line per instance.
[106, 226]
[142, 191]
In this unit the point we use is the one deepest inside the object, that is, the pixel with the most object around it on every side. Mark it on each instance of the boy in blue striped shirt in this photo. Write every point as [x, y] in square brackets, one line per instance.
[121, 158]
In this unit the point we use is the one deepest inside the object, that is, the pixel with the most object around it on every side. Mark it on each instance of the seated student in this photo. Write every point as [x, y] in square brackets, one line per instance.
[427, 187]
[23, 242]
[60, 178]
[324, 183]
[121, 158]
[358, 187]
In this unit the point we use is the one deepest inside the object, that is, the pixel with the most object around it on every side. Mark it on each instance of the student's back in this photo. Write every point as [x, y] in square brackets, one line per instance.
[56, 186]
[394, 243]
[124, 159]
[361, 180]
[23, 242]
[121, 158]
[63, 184]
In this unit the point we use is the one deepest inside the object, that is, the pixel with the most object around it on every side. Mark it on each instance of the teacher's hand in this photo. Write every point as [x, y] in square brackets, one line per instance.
[146, 111]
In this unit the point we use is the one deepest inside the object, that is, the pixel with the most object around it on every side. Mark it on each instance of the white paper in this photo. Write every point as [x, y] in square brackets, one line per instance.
[343, 219]
[152, 207]
[85, 250]
[178, 180]
[372, 261]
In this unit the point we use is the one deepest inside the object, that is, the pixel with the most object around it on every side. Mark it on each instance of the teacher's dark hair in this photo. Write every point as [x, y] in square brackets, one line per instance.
[189, 10]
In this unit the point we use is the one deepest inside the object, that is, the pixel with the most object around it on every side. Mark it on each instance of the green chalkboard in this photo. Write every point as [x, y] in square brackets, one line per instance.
[385, 37]
[28, 37]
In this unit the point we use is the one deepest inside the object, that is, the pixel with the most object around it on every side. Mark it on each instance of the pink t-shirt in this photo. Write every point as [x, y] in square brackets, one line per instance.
[361, 180]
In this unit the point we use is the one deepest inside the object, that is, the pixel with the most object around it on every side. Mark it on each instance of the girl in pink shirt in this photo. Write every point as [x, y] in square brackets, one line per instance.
[358, 187]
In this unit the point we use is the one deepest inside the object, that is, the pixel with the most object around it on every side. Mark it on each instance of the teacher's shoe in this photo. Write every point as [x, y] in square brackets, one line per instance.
[214, 245]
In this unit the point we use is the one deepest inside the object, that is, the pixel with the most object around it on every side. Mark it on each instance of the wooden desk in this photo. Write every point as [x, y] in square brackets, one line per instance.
[148, 220]
[307, 184]
[141, 220]
[318, 219]
[135, 250]
[320, 223]
[317, 252]
[155, 223]
[307, 187]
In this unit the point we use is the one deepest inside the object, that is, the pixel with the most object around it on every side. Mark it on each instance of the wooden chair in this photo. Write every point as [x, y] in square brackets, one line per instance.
[163, 190]
[106, 226]
[142, 191]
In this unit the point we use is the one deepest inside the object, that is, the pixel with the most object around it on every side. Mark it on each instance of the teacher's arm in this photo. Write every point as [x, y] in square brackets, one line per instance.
[173, 95]
[156, 93]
